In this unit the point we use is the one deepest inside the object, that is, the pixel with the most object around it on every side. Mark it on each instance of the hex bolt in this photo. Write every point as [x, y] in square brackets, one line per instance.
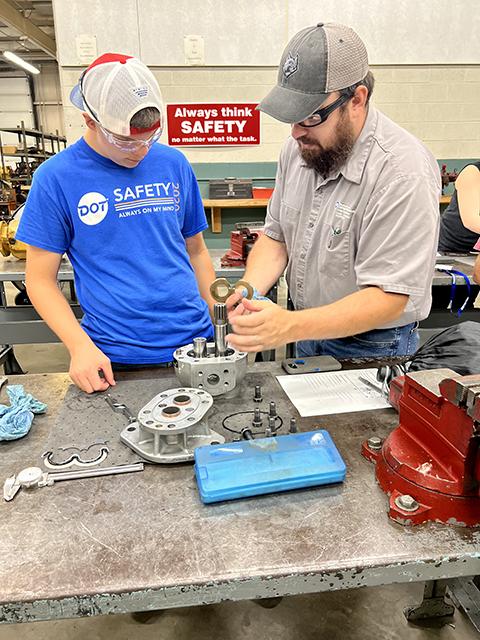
[257, 418]
[375, 443]
[258, 394]
[293, 425]
[247, 434]
[271, 423]
[273, 409]
[406, 503]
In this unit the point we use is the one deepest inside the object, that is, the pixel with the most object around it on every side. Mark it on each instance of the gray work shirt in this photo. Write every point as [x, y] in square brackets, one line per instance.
[374, 223]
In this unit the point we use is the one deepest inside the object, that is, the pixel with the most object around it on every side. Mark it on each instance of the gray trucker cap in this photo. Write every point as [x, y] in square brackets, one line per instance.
[317, 60]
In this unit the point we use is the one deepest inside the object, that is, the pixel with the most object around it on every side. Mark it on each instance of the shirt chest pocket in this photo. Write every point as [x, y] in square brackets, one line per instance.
[336, 248]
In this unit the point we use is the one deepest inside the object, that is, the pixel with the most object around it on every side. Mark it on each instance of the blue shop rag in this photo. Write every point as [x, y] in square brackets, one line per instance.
[256, 295]
[16, 419]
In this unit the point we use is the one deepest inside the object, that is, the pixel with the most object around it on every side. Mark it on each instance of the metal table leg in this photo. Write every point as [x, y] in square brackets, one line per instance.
[465, 593]
[11, 366]
[435, 603]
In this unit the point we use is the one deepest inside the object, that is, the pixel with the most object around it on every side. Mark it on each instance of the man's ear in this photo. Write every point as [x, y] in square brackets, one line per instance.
[89, 121]
[360, 96]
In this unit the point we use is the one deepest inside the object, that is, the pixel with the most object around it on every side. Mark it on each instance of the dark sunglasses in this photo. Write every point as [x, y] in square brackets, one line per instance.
[321, 115]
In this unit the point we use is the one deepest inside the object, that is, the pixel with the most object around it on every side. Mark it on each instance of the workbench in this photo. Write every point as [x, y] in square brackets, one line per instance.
[145, 541]
[216, 205]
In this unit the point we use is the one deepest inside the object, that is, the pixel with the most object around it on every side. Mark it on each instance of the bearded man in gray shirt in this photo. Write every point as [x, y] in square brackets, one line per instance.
[353, 218]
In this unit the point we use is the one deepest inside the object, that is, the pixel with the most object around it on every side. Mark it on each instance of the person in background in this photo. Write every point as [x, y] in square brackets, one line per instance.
[353, 218]
[460, 222]
[128, 213]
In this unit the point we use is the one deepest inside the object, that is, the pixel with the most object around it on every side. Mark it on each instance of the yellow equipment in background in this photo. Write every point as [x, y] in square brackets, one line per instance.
[8, 244]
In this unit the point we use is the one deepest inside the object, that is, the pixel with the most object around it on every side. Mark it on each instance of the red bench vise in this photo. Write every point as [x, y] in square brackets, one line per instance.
[430, 464]
[241, 243]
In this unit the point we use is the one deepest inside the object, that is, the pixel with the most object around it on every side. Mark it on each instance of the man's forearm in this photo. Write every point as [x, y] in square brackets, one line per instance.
[51, 305]
[476, 270]
[361, 311]
[266, 263]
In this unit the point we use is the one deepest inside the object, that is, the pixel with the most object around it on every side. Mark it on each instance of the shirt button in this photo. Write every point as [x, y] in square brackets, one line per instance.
[299, 285]
[310, 225]
[302, 256]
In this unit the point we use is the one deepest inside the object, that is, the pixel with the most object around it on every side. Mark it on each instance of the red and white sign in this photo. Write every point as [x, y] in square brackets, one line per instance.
[223, 124]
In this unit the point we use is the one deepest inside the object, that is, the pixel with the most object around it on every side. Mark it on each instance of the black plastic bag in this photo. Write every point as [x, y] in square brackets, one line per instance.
[456, 348]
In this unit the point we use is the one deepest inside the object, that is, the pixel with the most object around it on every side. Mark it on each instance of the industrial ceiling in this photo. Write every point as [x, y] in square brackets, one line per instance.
[26, 28]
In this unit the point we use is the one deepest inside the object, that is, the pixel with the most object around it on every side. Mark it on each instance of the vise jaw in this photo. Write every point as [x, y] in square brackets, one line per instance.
[464, 392]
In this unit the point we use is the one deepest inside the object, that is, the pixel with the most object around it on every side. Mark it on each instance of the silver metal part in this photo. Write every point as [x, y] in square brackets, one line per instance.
[258, 394]
[200, 347]
[406, 503]
[375, 443]
[36, 477]
[271, 423]
[293, 425]
[120, 407]
[220, 328]
[75, 459]
[212, 373]
[257, 418]
[171, 426]
[273, 409]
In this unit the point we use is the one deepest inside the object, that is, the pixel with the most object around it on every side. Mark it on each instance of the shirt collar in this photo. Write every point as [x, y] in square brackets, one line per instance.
[353, 168]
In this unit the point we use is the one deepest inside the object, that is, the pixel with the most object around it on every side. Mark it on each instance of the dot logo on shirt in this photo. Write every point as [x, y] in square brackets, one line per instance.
[92, 208]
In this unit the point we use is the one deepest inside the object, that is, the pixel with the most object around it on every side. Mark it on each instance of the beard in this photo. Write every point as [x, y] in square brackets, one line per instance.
[328, 160]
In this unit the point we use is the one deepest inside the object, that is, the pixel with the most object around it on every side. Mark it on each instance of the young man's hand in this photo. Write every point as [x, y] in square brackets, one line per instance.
[90, 369]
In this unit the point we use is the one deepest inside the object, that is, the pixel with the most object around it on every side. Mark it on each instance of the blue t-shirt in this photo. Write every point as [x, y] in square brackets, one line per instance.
[124, 232]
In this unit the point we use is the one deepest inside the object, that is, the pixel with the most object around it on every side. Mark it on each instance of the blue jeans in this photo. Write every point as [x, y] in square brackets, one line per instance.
[378, 343]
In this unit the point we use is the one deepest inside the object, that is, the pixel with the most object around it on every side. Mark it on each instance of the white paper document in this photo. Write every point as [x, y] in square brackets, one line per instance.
[320, 394]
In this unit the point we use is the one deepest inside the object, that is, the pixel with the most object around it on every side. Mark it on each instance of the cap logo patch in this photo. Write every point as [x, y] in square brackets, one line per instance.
[141, 92]
[290, 65]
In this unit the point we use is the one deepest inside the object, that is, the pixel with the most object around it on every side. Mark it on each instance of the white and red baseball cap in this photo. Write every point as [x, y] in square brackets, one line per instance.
[113, 89]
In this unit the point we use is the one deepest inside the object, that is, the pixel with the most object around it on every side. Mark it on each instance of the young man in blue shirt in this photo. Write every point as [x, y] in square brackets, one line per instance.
[129, 216]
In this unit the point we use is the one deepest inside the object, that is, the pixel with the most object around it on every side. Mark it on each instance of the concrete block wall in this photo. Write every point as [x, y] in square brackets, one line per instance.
[439, 104]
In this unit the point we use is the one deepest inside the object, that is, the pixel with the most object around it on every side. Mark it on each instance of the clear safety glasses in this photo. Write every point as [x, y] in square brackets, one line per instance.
[130, 144]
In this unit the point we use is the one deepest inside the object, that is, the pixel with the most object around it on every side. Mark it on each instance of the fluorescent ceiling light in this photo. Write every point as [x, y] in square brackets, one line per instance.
[20, 62]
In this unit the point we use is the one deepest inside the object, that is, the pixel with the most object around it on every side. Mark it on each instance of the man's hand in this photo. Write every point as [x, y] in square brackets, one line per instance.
[260, 326]
[85, 366]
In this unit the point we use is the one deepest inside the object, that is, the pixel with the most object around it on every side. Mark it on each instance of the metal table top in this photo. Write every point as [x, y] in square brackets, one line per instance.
[144, 540]
[13, 269]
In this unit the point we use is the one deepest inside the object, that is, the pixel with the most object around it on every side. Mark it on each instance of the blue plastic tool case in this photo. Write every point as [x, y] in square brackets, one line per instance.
[267, 465]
